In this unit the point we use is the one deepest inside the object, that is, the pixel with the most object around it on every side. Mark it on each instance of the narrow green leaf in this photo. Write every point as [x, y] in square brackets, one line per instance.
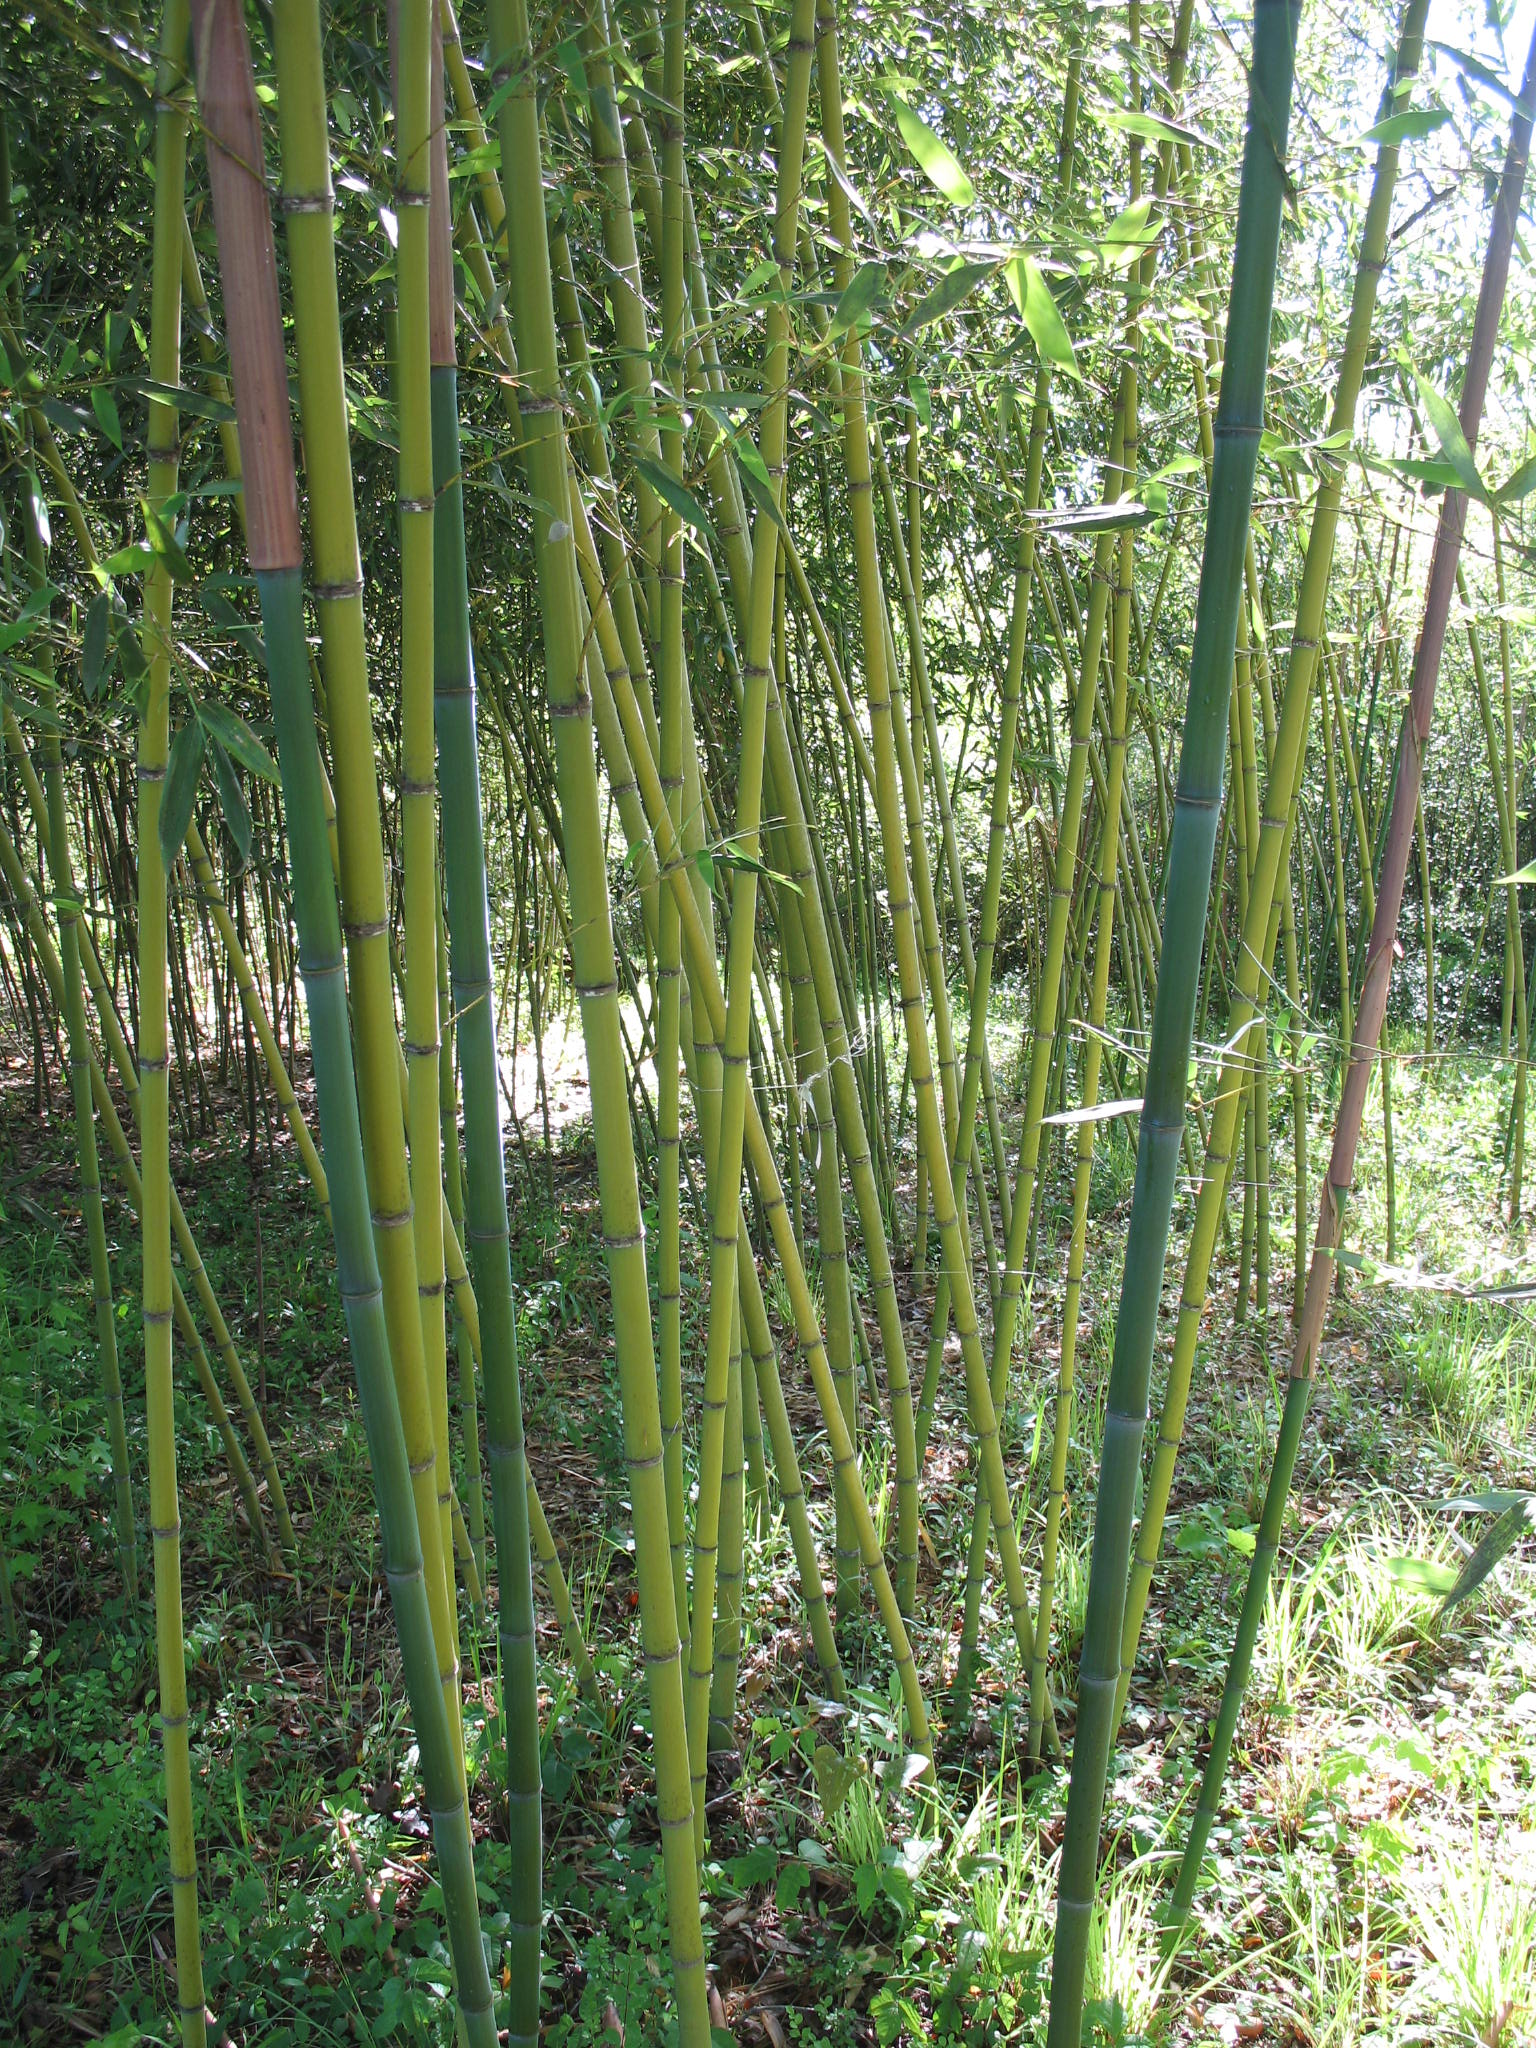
[1515, 1522]
[69, 419]
[1101, 1112]
[1154, 127]
[1520, 485]
[1129, 234]
[1520, 879]
[1410, 126]
[678, 496]
[232, 802]
[1453, 442]
[1096, 518]
[179, 791]
[39, 509]
[104, 405]
[1037, 308]
[940, 165]
[129, 652]
[859, 296]
[93, 645]
[133, 560]
[1472, 67]
[231, 730]
[1420, 1575]
[194, 402]
[755, 482]
[955, 285]
[228, 620]
[164, 543]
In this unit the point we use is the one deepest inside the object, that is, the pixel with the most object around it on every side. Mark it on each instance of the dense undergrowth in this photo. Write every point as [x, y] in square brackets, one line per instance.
[1374, 1877]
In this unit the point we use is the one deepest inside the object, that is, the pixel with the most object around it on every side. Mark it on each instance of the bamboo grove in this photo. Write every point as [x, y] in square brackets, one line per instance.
[643, 515]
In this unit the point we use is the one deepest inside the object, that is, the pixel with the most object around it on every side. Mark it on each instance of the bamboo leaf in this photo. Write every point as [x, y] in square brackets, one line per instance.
[197, 403]
[1515, 1522]
[1420, 1574]
[954, 286]
[69, 419]
[231, 730]
[39, 509]
[1129, 235]
[755, 482]
[1037, 308]
[1453, 442]
[858, 298]
[104, 405]
[93, 646]
[232, 802]
[1520, 485]
[940, 165]
[1098, 1113]
[1410, 126]
[1520, 879]
[179, 792]
[679, 497]
[1155, 127]
[1095, 518]
[1472, 67]
[163, 542]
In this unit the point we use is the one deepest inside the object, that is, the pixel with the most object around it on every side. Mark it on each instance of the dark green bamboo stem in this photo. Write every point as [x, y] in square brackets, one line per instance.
[1187, 890]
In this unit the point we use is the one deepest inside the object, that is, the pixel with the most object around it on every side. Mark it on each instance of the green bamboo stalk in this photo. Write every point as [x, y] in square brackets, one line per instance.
[593, 963]
[249, 274]
[1374, 987]
[1187, 890]
[1093, 1053]
[415, 508]
[757, 671]
[671, 686]
[489, 1231]
[884, 719]
[453, 1197]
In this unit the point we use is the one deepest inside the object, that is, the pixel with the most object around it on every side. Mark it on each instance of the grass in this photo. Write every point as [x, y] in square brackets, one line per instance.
[1373, 1873]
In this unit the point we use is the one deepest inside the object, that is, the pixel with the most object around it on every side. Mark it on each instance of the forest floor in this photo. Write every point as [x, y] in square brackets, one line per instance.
[1375, 1869]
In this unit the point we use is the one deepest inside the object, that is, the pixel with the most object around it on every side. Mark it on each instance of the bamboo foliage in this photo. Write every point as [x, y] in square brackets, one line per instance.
[680, 557]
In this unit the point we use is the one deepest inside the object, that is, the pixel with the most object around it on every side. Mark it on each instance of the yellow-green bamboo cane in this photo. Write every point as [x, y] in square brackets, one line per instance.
[532, 301]
[418, 759]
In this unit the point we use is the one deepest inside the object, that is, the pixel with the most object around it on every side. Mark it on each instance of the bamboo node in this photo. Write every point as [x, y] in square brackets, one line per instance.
[338, 593]
[307, 202]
